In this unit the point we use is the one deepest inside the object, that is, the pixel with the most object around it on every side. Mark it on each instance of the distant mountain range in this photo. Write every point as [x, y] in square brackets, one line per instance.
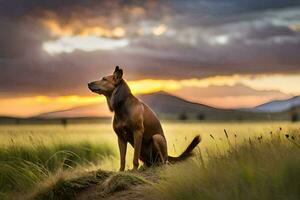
[168, 106]
[279, 105]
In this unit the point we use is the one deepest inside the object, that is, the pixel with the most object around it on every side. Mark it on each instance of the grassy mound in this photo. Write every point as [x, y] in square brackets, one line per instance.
[121, 181]
[23, 166]
[257, 169]
[107, 183]
[64, 188]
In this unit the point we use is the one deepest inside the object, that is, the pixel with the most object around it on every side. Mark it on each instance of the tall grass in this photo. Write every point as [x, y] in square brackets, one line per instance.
[39, 156]
[22, 166]
[259, 168]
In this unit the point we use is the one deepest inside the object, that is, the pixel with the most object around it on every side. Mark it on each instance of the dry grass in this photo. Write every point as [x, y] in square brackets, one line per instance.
[67, 188]
[47, 157]
[264, 167]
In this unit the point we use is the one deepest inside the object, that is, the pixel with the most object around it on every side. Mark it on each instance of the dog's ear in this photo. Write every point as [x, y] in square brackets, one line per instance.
[118, 74]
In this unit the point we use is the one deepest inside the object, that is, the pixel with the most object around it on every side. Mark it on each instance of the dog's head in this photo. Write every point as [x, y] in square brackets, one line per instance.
[107, 84]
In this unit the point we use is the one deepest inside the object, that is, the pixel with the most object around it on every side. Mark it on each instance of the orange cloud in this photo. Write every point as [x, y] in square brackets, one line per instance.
[77, 27]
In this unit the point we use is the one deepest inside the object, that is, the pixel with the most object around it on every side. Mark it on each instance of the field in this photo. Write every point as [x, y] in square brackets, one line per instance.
[250, 157]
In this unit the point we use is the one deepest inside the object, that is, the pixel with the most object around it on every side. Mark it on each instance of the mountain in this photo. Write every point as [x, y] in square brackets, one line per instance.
[93, 110]
[161, 102]
[166, 106]
[279, 105]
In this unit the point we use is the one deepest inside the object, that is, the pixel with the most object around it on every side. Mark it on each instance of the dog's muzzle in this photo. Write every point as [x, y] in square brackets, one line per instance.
[92, 87]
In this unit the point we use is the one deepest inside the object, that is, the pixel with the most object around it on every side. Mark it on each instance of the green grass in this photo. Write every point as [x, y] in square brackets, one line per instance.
[42, 159]
[24, 166]
[266, 167]
[64, 187]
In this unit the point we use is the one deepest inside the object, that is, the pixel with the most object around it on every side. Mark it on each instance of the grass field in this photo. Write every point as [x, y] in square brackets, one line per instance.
[34, 156]
[264, 167]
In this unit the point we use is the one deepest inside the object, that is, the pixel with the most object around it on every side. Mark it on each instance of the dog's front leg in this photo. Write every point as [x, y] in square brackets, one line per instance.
[138, 137]
[122, 149]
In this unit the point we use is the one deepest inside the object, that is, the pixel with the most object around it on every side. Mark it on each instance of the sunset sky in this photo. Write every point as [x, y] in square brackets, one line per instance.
[224, 53]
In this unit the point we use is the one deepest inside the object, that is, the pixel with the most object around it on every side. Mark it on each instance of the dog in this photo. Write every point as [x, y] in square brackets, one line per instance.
[135, 123]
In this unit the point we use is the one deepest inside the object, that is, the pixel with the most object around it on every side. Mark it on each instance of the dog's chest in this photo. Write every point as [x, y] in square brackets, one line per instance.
[122, 129]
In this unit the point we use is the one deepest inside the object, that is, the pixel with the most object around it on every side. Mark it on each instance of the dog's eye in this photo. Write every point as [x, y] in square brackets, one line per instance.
[104, 79]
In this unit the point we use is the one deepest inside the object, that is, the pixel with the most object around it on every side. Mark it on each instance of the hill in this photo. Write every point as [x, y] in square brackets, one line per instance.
[168, 106]
[279, 105]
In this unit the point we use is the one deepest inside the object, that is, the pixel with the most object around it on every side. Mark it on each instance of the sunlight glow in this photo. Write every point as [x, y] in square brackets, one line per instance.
[154, 85]
[284, 83]
[288, 84]
[159, 30]
[31, 106]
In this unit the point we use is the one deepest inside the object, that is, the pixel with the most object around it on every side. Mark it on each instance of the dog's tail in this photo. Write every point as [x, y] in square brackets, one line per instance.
[188, 152]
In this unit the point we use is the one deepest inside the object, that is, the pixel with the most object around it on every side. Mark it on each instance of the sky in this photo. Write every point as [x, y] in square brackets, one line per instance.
[224, 53]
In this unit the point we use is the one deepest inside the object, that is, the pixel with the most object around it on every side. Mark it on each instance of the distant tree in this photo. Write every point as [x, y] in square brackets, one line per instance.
[240, 118]
[183, 116]
[64, 122]
[294, 117]
[200, 116]
[294, 114]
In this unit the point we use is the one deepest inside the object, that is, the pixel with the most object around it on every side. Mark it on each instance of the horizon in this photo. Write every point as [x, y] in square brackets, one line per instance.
[222, 54]
[105, 113]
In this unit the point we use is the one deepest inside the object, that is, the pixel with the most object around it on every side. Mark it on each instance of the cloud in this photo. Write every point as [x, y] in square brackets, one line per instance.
[235, 96]
[84, 43]
[150, 39]
[226, 90]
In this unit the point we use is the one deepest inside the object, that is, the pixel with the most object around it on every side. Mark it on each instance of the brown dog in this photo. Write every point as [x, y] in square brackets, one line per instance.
[136, 123]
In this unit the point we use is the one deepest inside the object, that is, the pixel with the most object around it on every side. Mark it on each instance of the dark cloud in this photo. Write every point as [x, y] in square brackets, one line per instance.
[203, 38]
[217, 12]
[21, 8]
[19, 39]
[269, 31]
